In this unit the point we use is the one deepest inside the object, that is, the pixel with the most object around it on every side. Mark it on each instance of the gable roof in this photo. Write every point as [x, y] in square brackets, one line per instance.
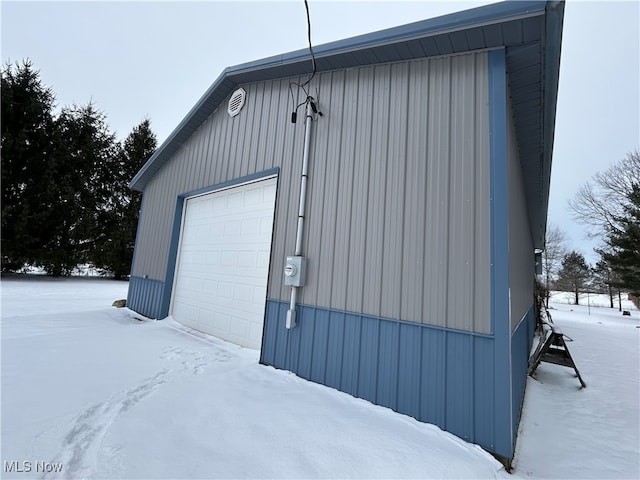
[530, 31]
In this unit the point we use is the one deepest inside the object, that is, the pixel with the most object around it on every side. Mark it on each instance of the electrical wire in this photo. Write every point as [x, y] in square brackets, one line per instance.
[313, 57]
[308, 98]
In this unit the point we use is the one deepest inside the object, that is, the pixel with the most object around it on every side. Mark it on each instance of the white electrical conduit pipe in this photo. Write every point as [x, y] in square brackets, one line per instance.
[291, 313]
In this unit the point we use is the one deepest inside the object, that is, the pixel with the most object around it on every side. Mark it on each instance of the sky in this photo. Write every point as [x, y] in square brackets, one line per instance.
[155, 59]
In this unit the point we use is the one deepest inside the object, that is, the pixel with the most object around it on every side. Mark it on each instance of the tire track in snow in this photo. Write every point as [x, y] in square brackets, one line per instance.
[82, 443]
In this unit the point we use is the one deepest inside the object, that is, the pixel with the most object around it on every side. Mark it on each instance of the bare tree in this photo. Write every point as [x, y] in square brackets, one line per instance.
[556, 247]
[602, 200]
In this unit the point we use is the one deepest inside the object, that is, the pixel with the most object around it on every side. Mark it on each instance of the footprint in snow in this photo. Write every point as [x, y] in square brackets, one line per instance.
[82, 443]
[193, 361]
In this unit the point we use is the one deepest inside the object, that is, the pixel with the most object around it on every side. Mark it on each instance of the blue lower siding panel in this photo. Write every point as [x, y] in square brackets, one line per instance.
[368, 362]
[435, 375]
[409, 369]
[483, 365]
[351, 354]
[521, 341]
[145, 297]
[333, 372]
[387, 374]
[459, 388]
[274, 336]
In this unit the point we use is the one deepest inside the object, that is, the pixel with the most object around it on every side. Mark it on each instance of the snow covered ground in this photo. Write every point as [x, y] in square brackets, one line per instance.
[569, 432]
[91, 390]
[593, 300]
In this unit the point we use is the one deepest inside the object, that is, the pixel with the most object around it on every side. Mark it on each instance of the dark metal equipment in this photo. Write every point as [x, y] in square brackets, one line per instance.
[553, 349]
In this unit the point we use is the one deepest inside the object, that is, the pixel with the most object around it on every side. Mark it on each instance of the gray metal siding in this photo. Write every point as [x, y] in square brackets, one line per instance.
[397, 220]
[521, 252]
[530, 31]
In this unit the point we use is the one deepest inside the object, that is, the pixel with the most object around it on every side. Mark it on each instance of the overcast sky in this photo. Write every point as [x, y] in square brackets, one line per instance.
[156, 59]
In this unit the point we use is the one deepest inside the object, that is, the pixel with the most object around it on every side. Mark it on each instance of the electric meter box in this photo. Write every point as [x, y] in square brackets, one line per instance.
[295, 270]
[538, 260]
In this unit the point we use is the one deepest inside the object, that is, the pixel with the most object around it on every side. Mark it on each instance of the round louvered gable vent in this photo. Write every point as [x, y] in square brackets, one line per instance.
[236, 102]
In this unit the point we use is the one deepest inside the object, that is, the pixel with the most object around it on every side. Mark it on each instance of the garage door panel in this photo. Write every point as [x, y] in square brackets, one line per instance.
[232, 230]
[185, 311]
[265, 226]
[250, 226]
[255, 333]
[264, 257]
[223, 264]
[259, 292]
[230, 310]
[243, 293]
[225, 290]
[209, 286]
[253, 196]
[245, 297]
[221, 322]
[205, 316]
[211, 259]
[228, 258]
[235, 199]
[248, 258]
[239, 327]
[227, 275]
[191, 286]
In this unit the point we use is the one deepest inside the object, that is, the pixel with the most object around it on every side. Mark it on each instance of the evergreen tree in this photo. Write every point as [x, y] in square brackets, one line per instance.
[119, 206]
[27, 126]
[84, 145]
[603, 277]
[624, 243]
[65, 195]
[574, 274]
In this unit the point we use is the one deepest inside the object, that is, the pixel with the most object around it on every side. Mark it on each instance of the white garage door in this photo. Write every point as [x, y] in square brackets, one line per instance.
[220, 284]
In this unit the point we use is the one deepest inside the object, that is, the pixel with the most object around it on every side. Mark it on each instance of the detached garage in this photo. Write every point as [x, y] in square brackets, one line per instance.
[386, 247]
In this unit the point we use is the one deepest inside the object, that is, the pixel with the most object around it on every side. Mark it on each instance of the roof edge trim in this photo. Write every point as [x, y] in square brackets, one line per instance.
[134, 184]
[229, 78]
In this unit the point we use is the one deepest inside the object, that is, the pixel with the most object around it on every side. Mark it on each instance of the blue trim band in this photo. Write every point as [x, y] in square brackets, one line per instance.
[500, 324]
[173, 255]
[232, 183]
[521, 341]
[135, 245]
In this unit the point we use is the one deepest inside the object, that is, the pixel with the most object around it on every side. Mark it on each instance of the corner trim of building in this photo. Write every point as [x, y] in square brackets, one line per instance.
[135, 250]
[521, 342]
[500, 317]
